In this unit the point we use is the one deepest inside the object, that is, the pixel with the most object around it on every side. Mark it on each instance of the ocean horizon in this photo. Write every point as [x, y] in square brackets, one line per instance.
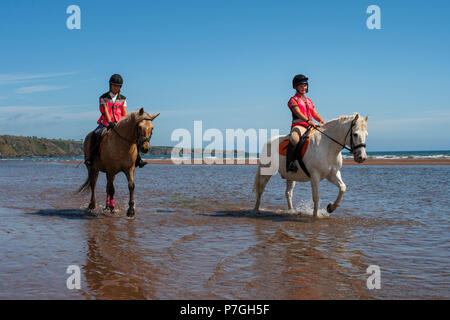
[388, 155]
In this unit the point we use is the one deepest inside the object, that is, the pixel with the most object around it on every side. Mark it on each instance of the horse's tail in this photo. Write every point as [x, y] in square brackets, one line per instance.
[257, 179]
[86, 186]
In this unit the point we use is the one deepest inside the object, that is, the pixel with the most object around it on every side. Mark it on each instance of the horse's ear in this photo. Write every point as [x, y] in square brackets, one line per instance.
[141, 111]
[367, 118]
[356, 117]
[154, 116]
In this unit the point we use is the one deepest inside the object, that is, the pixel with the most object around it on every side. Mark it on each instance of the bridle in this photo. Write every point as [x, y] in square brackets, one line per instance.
[352, 148]
[138, 134]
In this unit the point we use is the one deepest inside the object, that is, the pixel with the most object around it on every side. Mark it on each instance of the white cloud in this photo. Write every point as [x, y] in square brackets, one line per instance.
[47, 113]
[8, 78]
[48, 121]
[18, 109]
[38, 88]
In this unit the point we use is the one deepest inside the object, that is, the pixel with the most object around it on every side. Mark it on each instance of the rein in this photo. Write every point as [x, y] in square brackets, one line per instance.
[137, 134]
[352, 147]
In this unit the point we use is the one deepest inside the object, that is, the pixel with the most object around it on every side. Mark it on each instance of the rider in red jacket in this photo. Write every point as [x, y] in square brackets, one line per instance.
[303, 112]
[113, 106]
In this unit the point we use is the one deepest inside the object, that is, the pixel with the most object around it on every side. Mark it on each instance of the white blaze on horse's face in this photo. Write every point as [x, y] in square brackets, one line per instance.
[359, 137]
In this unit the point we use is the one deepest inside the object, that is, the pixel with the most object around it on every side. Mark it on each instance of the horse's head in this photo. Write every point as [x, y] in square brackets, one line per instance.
[357, 138]
[144, 129]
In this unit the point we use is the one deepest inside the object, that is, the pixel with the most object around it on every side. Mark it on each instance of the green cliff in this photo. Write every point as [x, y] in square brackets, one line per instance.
[12, 146]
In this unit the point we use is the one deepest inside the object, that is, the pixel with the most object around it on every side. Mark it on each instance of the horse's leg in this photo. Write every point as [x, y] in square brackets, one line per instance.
[336, 180]
[130, 178]
[289, 190]
[110, 191]
[315, 193]
[259, 186]
[93, 175]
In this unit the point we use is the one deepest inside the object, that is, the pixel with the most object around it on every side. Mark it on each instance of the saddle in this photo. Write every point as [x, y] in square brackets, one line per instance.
[296, 154]
[96, 142]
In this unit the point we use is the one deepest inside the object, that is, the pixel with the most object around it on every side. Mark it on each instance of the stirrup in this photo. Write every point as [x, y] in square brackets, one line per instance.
[292, 167]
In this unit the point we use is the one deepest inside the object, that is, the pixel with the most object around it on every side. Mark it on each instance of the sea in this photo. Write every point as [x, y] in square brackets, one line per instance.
[389, 155]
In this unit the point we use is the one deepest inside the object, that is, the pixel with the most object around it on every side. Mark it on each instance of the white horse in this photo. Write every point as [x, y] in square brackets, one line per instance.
[323, 159]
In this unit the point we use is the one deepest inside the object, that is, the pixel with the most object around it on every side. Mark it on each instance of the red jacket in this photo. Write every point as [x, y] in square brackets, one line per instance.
[308, 110]
[115, 110]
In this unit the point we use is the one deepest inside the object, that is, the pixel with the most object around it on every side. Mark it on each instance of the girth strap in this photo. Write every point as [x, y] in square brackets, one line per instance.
[300, 160]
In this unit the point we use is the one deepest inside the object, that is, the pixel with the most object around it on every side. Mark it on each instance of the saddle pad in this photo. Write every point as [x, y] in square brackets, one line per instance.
[282, 148]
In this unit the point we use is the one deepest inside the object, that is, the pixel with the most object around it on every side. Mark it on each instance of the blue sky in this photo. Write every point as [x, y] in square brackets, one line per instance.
[230, 64]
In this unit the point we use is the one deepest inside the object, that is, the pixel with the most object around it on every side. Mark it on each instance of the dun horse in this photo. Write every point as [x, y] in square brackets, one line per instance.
[119, 149]
[322, 159]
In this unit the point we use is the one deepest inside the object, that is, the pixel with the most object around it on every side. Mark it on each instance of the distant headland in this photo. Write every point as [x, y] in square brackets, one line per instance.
[15, 147]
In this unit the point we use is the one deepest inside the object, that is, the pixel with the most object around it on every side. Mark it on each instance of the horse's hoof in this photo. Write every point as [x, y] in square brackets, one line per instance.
[130, 213]
[330, 208]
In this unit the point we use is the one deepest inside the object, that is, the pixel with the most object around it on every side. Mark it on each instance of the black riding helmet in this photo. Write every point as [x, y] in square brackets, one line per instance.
[116, 79]
[299, 79]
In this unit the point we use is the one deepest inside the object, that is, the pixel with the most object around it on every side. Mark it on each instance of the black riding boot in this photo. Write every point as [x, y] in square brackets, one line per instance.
[139, 162]
[92, 150]
[290, 158]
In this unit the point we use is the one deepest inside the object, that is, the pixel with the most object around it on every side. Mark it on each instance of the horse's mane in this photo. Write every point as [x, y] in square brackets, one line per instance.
[126, 120]
[345, 118]
[132, 117]
[360, 123]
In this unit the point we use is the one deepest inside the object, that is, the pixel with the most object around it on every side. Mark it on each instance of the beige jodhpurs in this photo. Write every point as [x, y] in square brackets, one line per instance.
[296, 133]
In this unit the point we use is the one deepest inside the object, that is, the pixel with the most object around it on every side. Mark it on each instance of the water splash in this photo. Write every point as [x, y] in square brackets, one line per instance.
[306, 207]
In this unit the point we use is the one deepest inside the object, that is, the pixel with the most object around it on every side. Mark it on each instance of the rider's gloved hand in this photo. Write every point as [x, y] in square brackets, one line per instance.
[111, 125]
[312, 124]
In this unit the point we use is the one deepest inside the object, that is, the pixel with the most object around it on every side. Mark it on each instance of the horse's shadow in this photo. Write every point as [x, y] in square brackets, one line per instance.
[77, 214]
[263, 214]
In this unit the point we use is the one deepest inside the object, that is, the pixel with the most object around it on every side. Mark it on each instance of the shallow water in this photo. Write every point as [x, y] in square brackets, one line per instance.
[195, 237]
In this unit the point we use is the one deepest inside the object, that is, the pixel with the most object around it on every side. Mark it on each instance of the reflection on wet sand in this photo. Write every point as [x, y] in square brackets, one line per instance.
[110, 268]
[199, 240]
[288, 264]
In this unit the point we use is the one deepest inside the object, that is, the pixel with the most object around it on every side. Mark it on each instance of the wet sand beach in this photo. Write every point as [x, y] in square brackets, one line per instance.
[195, 236]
